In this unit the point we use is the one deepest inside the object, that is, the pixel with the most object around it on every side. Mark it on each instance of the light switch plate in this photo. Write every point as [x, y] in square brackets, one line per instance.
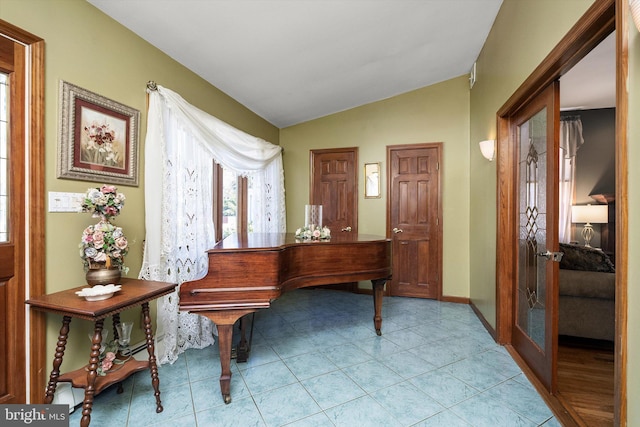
[65, 202]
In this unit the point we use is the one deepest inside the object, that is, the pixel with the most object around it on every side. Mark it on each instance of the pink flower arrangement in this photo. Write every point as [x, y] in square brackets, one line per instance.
[103, 202]
[107, 362]
[104, 243]
[313, 233]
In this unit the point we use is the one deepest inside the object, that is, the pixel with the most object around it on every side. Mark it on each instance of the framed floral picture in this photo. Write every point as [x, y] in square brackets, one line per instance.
[98, 138]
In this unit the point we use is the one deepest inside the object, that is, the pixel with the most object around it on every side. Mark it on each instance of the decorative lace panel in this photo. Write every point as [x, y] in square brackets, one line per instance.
[181, 145]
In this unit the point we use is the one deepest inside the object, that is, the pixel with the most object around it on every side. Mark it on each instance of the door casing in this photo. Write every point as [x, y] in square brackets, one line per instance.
[33, 209]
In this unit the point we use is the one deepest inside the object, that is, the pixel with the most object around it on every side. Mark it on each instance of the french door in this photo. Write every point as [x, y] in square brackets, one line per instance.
[534, 130]
[12, 227]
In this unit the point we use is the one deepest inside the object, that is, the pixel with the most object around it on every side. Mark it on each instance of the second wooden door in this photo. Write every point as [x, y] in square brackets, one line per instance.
[413, 220]
[334, 185]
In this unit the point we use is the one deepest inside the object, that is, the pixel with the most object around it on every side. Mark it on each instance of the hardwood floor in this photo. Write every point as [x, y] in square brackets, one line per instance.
[586, 379]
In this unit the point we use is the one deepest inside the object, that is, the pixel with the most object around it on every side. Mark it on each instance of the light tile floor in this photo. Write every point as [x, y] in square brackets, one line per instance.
[317, 361]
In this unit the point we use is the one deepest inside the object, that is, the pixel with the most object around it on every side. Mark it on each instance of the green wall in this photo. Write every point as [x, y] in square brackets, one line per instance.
[87, 48]
[523, 34]
[438, 113]
[633, 156]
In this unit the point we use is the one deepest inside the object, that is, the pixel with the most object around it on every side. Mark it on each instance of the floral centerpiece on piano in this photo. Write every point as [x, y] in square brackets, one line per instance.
[103, 246]
[313, 232]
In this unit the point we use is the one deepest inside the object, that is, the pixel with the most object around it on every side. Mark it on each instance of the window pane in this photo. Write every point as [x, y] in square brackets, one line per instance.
[229, 203]
[4, 163]
[250, 205]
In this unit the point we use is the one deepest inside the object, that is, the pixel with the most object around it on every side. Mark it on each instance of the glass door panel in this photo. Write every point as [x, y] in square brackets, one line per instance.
[535, 138]
[4, 159]
[531, 306]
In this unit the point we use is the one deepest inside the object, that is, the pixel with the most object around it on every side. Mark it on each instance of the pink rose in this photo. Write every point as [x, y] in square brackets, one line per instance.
[106, 364]
[98, 239]
[108, 189]
[110, 356]
[110, 210]
[316, 233]
[121, 243]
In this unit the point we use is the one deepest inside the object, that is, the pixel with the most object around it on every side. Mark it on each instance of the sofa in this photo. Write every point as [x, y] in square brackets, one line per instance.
[587, 293]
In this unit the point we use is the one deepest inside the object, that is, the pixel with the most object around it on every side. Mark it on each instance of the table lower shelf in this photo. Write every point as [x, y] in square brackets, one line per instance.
[78, 378]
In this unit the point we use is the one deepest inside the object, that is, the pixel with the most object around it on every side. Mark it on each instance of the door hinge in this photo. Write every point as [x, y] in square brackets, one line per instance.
[437, 221]
[437, 166]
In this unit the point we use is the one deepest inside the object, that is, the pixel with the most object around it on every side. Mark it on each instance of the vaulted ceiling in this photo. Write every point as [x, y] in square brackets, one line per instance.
[290, 61]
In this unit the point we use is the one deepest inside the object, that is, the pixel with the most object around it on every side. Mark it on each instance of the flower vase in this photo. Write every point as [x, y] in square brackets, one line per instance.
[103, 245]
[103, 275]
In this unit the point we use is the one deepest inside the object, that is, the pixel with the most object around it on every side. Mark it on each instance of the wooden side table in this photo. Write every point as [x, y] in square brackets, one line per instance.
[66, 303]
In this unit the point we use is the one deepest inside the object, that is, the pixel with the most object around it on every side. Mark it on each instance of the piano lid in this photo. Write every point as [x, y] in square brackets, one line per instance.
[253, 241]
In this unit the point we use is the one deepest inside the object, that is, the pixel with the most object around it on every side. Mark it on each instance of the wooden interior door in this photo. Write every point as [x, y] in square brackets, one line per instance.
[535, 130]
[334, 185]
[413, 220]
[12, 226]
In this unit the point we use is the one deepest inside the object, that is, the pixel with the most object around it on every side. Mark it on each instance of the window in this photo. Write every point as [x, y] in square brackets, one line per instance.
[230, 207]
[4, 161]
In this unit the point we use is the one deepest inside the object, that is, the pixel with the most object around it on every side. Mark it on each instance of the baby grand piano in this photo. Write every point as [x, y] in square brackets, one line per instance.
[249, 271]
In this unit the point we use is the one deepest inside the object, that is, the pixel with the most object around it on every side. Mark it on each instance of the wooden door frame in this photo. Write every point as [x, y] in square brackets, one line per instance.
[439, 228]
[35, 211]
[602, 18]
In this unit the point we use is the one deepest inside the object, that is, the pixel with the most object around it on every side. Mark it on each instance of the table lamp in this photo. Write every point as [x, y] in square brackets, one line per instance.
[587, 215]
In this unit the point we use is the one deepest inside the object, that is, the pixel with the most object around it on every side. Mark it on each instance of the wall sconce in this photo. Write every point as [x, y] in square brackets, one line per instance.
[488, 148]
[597, 214]
[635, 12]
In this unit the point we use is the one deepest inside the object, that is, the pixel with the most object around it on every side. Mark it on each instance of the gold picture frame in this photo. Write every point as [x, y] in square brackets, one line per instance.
[98, 138]
[372, 180]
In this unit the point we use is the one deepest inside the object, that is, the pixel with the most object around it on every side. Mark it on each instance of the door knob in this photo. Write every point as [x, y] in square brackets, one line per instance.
[552, 256]
[397, 230]
[347, 228]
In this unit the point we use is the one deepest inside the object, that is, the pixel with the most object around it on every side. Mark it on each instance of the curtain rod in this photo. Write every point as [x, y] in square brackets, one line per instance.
[151, 85]
[573, 117]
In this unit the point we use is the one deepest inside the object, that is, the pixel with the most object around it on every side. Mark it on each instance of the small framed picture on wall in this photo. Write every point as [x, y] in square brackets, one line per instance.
[372, 180]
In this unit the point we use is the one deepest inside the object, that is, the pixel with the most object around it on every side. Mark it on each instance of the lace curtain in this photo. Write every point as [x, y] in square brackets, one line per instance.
[570, 140]
[181, 145]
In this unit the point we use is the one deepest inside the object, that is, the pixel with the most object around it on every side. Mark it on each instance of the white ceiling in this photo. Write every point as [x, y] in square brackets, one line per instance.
[290, 61]
[591, 83]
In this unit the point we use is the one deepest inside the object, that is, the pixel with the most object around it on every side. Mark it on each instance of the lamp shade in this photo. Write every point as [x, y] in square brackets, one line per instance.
[592, 214]
[488, 149]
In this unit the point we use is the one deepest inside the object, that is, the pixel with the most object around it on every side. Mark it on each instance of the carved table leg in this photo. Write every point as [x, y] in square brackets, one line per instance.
[153, 367]
[57, 361]
[378, 291]
[224, 321]
[92, 373]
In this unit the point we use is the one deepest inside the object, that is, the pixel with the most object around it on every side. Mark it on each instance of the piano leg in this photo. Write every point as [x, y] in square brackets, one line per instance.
[244, 346]
[378, 291]
[225, 320]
